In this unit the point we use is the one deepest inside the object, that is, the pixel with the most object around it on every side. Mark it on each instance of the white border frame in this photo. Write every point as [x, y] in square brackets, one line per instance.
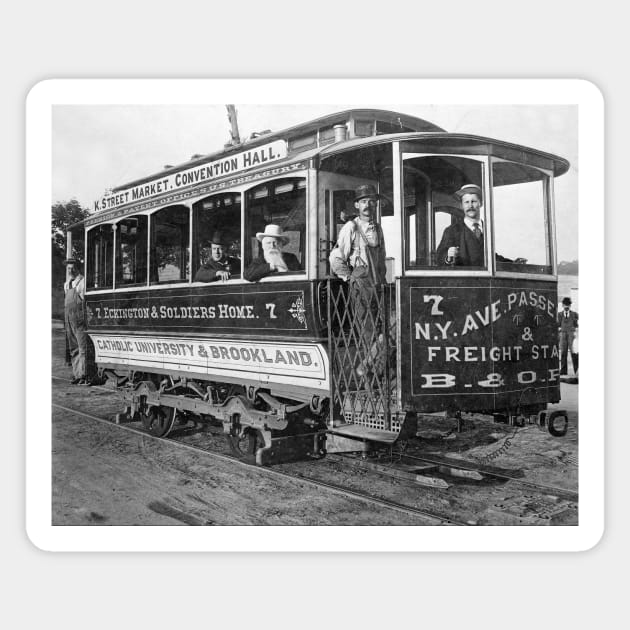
[267, 91]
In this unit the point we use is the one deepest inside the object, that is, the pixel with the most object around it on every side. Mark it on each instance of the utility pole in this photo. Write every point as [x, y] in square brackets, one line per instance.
[236, 138]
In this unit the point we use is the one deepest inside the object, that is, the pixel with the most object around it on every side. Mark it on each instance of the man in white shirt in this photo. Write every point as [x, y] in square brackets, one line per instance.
[359, 259]
[74, 307]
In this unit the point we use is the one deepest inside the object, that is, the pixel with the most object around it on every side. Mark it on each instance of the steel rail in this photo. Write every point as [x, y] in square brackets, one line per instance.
[563, 493]
[436, 519]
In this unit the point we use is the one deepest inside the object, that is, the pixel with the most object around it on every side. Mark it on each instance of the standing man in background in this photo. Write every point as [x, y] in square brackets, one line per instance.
[567, 329]
[74, 312]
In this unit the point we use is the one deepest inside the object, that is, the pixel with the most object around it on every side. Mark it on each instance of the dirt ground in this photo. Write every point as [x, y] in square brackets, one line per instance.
[104, 476]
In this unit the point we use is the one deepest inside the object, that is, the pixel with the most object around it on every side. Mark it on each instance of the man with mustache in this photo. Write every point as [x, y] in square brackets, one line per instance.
[217, 265]
[359, 259]
[462, 243]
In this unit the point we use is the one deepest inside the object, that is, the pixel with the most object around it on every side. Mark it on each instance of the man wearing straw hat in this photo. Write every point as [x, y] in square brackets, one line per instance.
[272, 260]
[462, 243]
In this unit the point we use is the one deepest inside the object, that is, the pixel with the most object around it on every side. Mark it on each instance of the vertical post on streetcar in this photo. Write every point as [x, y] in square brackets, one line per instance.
[236, 138]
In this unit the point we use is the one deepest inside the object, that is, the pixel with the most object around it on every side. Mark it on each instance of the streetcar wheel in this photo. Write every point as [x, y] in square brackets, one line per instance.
[245, 446]
[159, 421]
[558, 423]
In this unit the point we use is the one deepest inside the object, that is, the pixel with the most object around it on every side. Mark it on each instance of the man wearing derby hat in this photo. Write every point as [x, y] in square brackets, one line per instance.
[75, 323]
[462, 243]
[360, 242]
[217, 265]
[272, 260]
[567, 329]
[359, 259]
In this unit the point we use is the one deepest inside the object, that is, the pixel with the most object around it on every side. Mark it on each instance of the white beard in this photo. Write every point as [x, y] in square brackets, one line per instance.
[274, 258]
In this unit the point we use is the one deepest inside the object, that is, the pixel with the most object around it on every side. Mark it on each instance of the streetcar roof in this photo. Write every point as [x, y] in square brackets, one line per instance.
[312, 139]
[328, 121]
[443, 139]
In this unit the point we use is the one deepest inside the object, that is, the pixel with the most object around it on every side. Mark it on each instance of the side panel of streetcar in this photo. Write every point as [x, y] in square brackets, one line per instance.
[287, 309]
[478, 344]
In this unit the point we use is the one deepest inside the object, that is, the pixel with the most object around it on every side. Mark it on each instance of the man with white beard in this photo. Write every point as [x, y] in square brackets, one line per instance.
[272, 260]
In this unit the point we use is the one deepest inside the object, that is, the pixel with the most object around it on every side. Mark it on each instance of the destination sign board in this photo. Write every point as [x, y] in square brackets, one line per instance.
[257, 156]
[472, 342]
[304, 364]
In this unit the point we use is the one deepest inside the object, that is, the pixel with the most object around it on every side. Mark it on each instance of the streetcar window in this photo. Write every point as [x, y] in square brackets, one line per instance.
[280, 202]
[433, 212]
[363, 128]
[350, 169]
[100, 257]
[326, 136]
[131, 251]
[522, 235]
[170, 233]
[217, 217]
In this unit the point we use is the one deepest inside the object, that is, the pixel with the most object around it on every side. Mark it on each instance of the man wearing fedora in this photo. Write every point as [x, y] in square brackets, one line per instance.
[217, 265]
[567, 329]
[359, 259]
[272, 260]
[75, 322]
[462, 243]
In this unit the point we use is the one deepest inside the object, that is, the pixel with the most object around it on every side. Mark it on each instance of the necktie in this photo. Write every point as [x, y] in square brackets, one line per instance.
[477, 231]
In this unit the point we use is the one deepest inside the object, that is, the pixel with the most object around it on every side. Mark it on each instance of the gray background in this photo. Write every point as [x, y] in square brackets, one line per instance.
[395, 39]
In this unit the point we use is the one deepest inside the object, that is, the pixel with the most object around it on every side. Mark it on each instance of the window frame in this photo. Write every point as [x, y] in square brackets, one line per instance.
[486, 217]
[308, 174]
[549, 224]
[116, 225]
[89, 252]
[194, 253]
[245, 205]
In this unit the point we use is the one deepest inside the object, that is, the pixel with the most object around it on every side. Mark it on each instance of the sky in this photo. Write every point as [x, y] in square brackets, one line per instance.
[96, 147]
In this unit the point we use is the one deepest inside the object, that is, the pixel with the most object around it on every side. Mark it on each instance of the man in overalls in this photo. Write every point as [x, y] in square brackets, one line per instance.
[76, 335]
[359, 259]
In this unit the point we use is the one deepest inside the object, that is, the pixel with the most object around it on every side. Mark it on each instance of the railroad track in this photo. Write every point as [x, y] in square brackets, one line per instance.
[382, 466]
[490, 471]
[430, 518]
[444, 463]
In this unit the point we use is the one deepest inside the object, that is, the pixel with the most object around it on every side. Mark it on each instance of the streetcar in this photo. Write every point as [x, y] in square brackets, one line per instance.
[277, 361]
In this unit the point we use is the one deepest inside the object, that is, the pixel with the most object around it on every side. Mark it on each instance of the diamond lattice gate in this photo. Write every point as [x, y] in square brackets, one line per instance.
[362, 342]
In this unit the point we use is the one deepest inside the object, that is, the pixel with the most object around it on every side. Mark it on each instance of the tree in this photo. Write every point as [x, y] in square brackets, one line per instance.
[63, 216]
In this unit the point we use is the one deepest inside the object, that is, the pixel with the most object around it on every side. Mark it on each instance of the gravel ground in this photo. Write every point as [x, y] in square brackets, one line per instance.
[104, 476]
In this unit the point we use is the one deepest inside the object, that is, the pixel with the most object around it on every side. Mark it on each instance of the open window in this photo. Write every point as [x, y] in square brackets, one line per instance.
[217, 219]
[100, 261]
[342, 174]
[170, 234]
[279, 202]
[131, 251]
[433, 215]
[521, 196]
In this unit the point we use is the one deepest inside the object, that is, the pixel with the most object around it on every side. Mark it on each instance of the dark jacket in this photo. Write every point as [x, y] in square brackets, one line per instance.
[208, 271]
[567, 324]
[470, 248]
[258, 268]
